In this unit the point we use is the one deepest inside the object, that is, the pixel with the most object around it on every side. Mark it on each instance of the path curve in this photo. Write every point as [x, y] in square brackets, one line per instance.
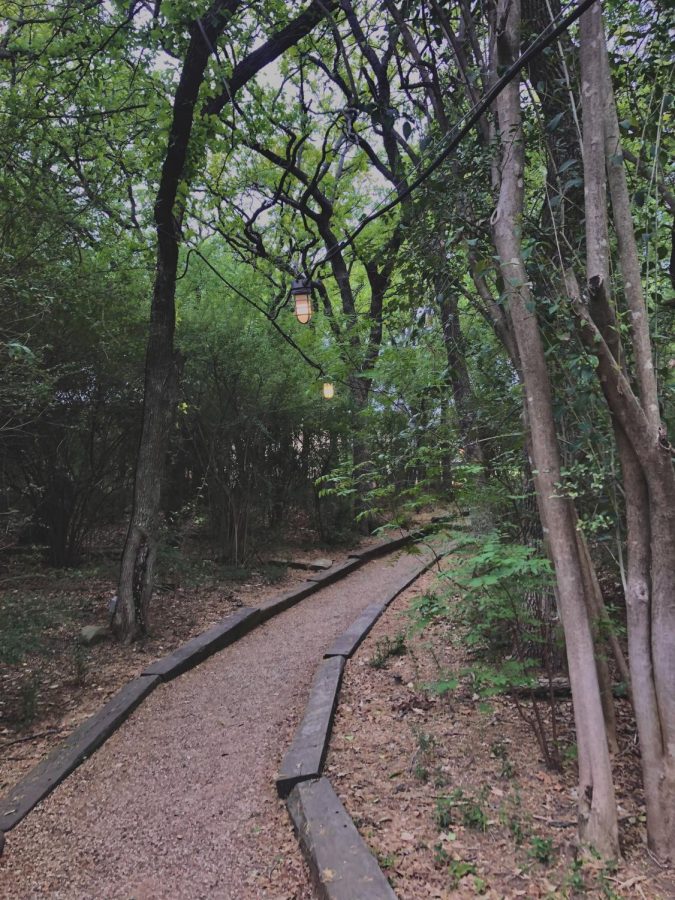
[180, 802]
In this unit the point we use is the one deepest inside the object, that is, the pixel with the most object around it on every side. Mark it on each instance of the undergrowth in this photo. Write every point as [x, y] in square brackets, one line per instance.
[385, 648]
[498, 597]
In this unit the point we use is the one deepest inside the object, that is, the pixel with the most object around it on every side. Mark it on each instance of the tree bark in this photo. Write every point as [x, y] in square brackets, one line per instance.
[162, 368]
[595, 619]
[458, 373]
[649, 482]
[597, 806]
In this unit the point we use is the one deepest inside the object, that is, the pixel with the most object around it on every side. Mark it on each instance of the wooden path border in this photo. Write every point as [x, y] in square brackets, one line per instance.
[81, 743]
[41, 780]
[342, 866]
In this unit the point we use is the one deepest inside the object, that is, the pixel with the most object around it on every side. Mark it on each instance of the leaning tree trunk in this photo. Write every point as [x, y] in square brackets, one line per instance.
[140, 549]
[597, 806]
[649, 481]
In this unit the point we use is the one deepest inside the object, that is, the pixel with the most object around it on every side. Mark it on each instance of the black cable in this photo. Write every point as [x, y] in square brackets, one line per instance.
[545, 39]
[260, 309]
[270, 318]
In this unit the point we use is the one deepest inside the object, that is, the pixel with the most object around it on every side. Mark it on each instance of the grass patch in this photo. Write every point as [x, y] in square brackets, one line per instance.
[25, 620]
[459, 807]
[541, 850]
[385, 648]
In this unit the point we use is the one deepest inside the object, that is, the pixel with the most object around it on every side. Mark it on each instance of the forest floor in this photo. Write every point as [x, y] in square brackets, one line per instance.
[452, 794]
[180, 802]
[50, 682]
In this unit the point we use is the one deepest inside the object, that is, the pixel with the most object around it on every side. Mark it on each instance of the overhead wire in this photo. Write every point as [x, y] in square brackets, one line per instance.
[272, 319]
[404, 189]
[560, 24]
[260, 309]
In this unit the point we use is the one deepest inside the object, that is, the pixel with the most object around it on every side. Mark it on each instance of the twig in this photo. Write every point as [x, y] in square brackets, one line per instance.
[31, 737]
[655, 859]
[22, 577]
[413, 760]
[555, 823]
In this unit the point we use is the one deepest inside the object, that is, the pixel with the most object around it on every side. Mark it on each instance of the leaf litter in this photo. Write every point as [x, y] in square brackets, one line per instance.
[453, 798]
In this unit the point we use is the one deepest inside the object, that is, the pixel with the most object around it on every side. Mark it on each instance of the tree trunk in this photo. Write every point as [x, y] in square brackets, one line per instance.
[597, 807]
[161, 367]
[595, 618]
[361, 464]
[161, 371]
[649, 482]
[458, 374]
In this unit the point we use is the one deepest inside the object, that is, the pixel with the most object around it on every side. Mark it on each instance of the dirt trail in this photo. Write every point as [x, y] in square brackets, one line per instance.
[180, 802]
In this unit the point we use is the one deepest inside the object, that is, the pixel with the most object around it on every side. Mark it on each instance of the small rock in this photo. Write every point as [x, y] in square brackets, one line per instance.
[320, 563]
[94, 634]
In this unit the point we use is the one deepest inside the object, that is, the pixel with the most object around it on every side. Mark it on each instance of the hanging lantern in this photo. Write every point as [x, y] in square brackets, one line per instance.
[302, 292]
[328, 390]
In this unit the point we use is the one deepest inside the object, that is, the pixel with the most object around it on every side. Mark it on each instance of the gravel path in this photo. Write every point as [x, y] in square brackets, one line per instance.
[180, 802]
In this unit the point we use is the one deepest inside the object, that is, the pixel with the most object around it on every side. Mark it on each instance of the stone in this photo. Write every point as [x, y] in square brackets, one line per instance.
[94, 634]
[321, 563]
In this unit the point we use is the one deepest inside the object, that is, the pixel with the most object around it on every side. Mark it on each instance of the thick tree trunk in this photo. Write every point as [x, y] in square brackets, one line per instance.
[597, 807]
[161, 375]
[140, 549]
[161, 371]
[650, 595]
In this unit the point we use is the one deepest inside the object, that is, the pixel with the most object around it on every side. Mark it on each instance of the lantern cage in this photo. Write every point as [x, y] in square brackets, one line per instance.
[301, 289]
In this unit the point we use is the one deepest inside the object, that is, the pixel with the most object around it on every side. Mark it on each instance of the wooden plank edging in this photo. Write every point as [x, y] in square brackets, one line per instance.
[341, 865]
[305, 757]
[78, 746]
[349, 641]
[284, 601]
[204, 645]
[41, 780]
[386, 546]
[337, 572]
